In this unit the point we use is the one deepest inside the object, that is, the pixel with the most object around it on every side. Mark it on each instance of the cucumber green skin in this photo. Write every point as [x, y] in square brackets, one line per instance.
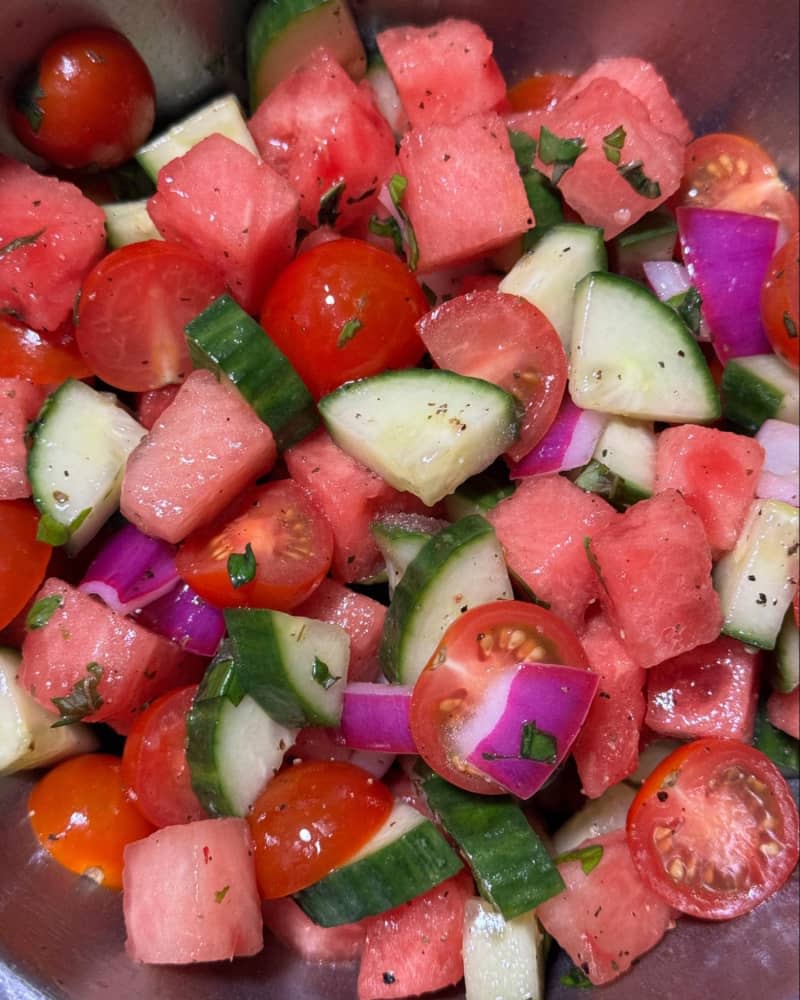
[403, 870]
[783, 750]
[223, 338]
[510, 863]
[785, 673]
[747, 400]
[267, 22]
[598, 478]
[477, 495]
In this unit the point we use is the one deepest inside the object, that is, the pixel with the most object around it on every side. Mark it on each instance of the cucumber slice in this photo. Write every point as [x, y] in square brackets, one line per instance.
[632, 356]
[651, 238]
[422, 430]
[223, 116]
[649, 759]
[128, 222]
[282, 33]
[480, 493]
[757, 389]
[756, 580]
[460, 567]
[406, 857]
[597, 818]
[547, 276]
[502, 958]
[223, 338]
[623, 469]
[386, 97]
[787, 656]
[510, 863]
[294, 668]
[233, 747]
[399, 538]
[81, 442]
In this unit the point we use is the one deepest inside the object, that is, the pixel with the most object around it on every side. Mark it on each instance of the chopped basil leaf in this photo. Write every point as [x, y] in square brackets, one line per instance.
[598, 478]
[536, 744]
[27, 102]
[82, 700]
[589, 857]
[524, 147]
[545, 204]
[329, 205]
[587, 544]
[53, 532]
[349, 330]
[790, 325]
[612, 155]
[687, 306]
[20, 241]
[220, 894]
[562, 152]
[320, 672]
[397, 188]
[576, 977]
[613, 143]
[429, 294]
[388, 228]
[42, 611]
[634, 174]
[412, 248]
[242, 566]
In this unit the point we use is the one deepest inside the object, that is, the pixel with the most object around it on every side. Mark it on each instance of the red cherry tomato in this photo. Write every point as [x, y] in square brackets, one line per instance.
[44, 358]
[23, 560]
[82, 817]
[536, 92]
[714, 829]
[89, 100]
[133, 309]
[480, 643]
[155, 772]
[345, 310]
[312, 818]
[780, 311]
[291, 543]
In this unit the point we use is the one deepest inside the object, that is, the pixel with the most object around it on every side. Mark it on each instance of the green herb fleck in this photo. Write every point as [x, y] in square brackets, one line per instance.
[587, 544]
[634, 174]
[589, 857]
[320, 672]
[220, 894]
[576, 977]
[329, 205]
[790, 325]
[20, 241]
[242, 566]
[27, 102]
[388, 228]
[82, 700]
[687, 306]
[42, 611]
[561, 152]
[536, 744]
[524, 147]
[545, 204]
[53, 532]
[613, 143]
[397, 188]
[349, 330]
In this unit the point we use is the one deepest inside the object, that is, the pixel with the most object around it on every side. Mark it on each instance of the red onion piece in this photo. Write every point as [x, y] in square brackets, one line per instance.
[780, 477]
[185, 618]
[377, 764]
[131, 571]
[667, 278]
[568, 444]
[727, 255]
[375, 717]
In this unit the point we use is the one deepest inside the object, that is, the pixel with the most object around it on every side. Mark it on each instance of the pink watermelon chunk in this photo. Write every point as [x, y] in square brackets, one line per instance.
[201, 453]
[317, 129]
[443, 73]
[783, 711]
[313, 943]
[716, 472]
[62, 235]
[416, 948]
[654, 565]
[607, 748]
[542, 527]
[190, 894]
[236, 212]
[465, 195]
[20, 401]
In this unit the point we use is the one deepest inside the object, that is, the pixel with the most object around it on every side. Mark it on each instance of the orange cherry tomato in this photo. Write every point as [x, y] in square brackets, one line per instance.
[44, 358]
[23, 560]
[535, 93]
[779, 302]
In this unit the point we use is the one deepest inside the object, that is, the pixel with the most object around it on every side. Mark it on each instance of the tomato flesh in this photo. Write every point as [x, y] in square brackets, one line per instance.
[780, 307]
[23, 560]
[535, 93]
[44, 358]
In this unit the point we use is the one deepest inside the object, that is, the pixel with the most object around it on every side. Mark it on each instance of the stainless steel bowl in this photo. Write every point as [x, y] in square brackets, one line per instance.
[732, 65]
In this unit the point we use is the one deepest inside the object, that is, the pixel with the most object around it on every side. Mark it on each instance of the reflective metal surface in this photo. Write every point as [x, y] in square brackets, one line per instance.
[731, 64]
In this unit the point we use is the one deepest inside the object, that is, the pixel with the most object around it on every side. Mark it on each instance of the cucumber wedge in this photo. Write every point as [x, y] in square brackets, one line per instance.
[631, 355]
[787, 656]
[757, 389]
[623, 468]
[651, 238]
[422, 430]
[128, 222]
[502, 958]
[399, 538]
[597, 818]
[480, 493]
[460, 567]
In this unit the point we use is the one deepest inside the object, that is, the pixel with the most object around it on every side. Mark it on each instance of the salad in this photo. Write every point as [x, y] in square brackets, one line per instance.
[399, 504]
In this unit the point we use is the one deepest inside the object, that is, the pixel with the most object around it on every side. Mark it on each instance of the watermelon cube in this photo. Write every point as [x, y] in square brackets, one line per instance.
[783, 711]
[51, 237]
[201, 453]
[313, 943]
[318, 129]
[654, 567]
[443, 73]
[716, 472]
[190, 894]
[20, 401]
[236, 212]
[542, 527]
[465, 195]
[709, 691]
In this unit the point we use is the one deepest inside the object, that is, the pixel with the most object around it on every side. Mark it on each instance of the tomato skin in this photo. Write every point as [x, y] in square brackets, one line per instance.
[537, 92]
[312, 818]
[82, 817]
[23, 560]
[133, 309]
[459, 671]
[308, 307]
[780, 308]
[709, 810]
[44, 358]
[91, 101]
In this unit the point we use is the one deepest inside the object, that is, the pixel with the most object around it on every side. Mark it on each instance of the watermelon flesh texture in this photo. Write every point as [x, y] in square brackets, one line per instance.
[605, 920]
[654, 567]
[20, 401]
[716, 472]
[709, 691]
[312, 943]
[443, 73]
[40, 279]
[316, 129]
[207, 445]
[190, 894]
[234, 211]
[783, 711]
[542, 528]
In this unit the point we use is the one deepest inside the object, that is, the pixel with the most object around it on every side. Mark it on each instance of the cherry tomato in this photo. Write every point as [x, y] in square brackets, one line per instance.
[89, 100]
[714, 829]
[44, 358]
[312, 818]
[155, 773]
[23, 560]
[345, 310]
[150, 405]
[290, 540]
[82, 817]
[535, 93]
[133, 309]
[779, 301]
[481, 643]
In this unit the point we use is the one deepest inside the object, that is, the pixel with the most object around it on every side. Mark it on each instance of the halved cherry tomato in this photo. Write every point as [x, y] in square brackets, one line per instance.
[150, 405]
[133, 309]
[345, 310]
[291, 543]
[89, 100]
[780, 308]
[312, 818]
[44, 358]
[484, 641]
[155, 772]
[82, 817]
[23, 560]
[714, 829]
[535, 93]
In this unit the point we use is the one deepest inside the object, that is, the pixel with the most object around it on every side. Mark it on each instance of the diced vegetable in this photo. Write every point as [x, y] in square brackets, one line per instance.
[759, 388]
[375, 717]
[400, 538]
[131, 570]
[780, 478]
[502, 958]
[184, 617]
[569, 443]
